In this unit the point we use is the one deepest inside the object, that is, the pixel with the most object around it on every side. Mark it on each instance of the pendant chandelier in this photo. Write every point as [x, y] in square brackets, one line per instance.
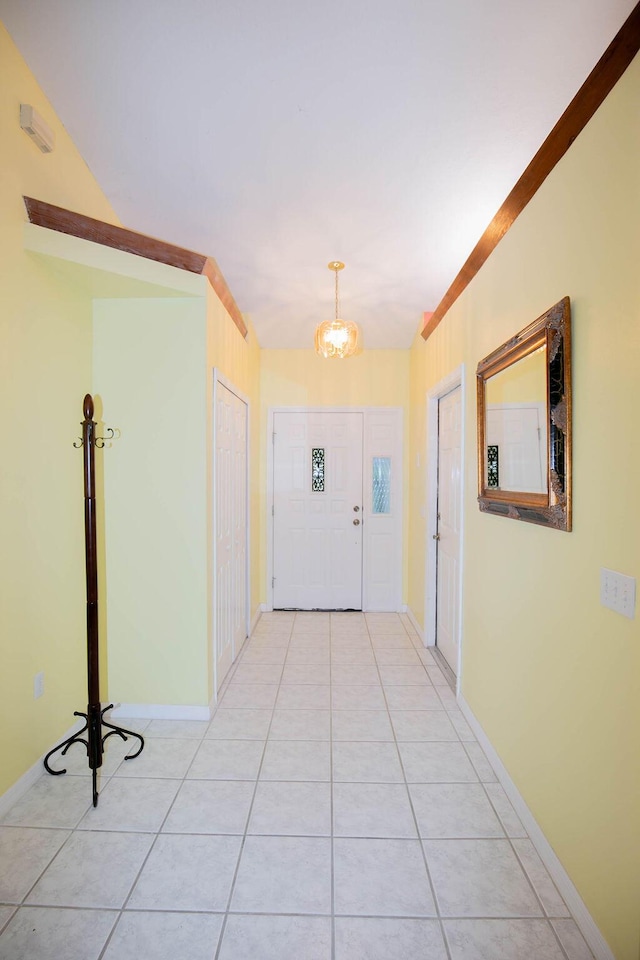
[337, 338]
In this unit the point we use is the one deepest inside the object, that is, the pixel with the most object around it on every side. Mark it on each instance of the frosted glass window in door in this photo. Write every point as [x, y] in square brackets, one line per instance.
[381, 489]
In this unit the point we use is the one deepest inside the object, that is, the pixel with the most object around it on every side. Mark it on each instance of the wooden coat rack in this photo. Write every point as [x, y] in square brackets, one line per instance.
[94, 717]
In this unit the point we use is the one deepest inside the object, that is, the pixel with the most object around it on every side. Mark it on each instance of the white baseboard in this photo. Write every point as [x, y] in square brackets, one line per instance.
[20, 787]
[27, 780]
[414, 623]
[160, 711]
[559, 875]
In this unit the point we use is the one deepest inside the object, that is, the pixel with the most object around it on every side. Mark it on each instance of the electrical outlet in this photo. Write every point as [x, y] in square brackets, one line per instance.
[618, 592]
[38, 685]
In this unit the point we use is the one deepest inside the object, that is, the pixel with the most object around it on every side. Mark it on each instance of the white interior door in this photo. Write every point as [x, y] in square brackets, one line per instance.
[239, 522]
[230, 598]
[448, 528]
[317, 521]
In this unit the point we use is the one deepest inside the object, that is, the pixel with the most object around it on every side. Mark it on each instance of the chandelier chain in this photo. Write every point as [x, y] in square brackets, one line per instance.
[336, 272]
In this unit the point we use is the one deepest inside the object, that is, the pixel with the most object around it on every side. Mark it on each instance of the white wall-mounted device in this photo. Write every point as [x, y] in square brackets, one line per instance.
[33, 124]
[618, 592]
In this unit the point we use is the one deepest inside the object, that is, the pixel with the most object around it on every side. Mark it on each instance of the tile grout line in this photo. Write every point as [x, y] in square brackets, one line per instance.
[545, 914]
[415, 819]
[331, 748]
[71, 830]
[444, 704]
[250, 811]
[158, 834]
[333, 881]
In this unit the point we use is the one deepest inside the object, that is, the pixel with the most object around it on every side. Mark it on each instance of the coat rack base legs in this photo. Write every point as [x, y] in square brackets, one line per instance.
[94, 744]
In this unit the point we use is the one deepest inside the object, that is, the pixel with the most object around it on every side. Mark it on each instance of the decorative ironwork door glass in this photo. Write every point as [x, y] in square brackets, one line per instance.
[493, 474]
[317, 469]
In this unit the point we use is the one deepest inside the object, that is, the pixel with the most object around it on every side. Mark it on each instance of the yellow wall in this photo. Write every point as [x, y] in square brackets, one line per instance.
[300, 378]
[149, 375]
[145, 348]
[552, 676]
[45, 370]
[153, 371]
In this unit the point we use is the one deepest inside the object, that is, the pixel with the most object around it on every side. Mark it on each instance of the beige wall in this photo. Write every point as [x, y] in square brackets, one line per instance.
[550, 674]
[45, 370]
[300, 378]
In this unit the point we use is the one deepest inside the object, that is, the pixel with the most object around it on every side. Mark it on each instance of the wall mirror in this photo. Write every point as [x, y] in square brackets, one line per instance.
[524, 423]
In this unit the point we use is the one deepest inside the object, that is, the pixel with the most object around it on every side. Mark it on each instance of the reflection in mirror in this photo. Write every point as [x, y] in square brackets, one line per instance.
[516, 427]
[524, 423]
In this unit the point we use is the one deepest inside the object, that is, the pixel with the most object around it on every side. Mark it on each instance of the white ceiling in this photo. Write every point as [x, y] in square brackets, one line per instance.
[276, 135]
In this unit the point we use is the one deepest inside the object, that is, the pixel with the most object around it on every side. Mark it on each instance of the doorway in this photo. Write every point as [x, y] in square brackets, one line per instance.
[444, 528]
[230, 526]
[334, 519]
[317, 509]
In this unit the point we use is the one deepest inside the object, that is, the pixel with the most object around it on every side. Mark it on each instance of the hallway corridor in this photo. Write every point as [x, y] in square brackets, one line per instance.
[337, 807]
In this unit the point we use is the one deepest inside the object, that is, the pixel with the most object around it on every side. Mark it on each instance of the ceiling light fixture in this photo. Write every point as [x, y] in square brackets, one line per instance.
[337, 338]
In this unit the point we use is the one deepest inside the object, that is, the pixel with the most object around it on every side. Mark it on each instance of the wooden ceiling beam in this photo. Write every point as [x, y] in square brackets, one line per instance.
[602, 79]
[97, 231]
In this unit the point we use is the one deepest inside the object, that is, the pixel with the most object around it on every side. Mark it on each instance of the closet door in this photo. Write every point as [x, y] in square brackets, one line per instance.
[239, 522]
[230, 593]
[448, 527]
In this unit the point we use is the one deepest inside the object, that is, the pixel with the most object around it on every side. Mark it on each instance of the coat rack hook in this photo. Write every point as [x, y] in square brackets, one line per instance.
[100, 441]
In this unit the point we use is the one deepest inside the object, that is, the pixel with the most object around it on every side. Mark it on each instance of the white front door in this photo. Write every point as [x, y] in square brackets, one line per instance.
[317, 521]
[518, 433]
[230, 528]
[448, 528]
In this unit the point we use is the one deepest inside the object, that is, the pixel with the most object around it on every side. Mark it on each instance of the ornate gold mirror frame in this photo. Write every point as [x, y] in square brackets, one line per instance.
[550, 505]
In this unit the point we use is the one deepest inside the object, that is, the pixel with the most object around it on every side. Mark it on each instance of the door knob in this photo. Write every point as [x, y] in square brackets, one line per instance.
[355, 509]
[436, 536]
[356, 523]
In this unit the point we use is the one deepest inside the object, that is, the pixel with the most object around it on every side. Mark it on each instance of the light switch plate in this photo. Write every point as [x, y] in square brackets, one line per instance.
[618, 592]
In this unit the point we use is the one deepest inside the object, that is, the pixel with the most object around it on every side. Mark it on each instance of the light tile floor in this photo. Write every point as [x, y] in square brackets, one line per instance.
[337, 807]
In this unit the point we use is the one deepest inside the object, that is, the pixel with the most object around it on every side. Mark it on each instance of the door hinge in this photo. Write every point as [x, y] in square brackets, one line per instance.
[273, 510]
[273, 437]
[273, 582]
